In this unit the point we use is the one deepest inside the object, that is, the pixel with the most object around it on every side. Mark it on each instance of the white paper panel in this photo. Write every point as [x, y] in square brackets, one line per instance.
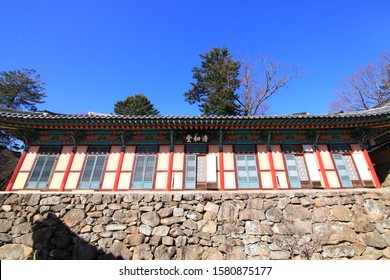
[56, 180]
[362, 166]
[230, 180]
[124, 181]
[20, 180]
[312, 166]
[211, 168]
[266, 180]
[161, 180]
[109, 179]
[177, 180]
[282, 180]
[333, 179]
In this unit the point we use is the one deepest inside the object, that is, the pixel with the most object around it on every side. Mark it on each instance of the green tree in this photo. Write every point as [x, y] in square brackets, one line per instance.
[216, 82]
[136, 105]
[21, 89]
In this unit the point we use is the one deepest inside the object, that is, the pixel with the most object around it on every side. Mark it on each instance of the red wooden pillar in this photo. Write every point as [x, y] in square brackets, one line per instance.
[67, 171]
[273, 172]
[221, 170]
[118, 169]
[16, 171]
[170, 168]
[322, 168]
[372, 169]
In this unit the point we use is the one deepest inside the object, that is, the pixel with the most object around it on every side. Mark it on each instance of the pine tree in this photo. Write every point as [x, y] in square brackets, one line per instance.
[216, 83]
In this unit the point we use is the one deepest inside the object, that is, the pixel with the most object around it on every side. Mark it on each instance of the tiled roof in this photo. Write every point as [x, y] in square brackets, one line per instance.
[12, 113]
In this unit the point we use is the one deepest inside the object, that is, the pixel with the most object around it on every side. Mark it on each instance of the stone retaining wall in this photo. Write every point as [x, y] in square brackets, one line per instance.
[348, 224]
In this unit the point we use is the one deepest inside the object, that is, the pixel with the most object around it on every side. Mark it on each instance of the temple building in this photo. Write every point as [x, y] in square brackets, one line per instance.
[104, 152]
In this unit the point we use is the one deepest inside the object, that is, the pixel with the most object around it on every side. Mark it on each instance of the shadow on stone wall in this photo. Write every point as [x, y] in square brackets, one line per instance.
[53, 240]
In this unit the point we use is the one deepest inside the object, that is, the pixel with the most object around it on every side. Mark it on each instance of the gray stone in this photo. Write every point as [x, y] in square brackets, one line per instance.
[73, 217]
[280, 228]
[181, 241]
[119, 235]
[167, 240]
[32, 199]
[5, 225]
[114, 227]
[161, 253]
[375, 209]
[155, 240]
[279, 255]
[212, 254]
[341, 213]
[22, 228]
[386, 237]
[6, 238]
[255, 203]
[193, 252]
[334, 233]
[236, 256]
[105, 242]
[228, 213]
[119, 251]
[364, 226]
[339, 251]
[145, 230]
[134, 239]
[15, 252]
[190, 224]
[142, 252]
[105, 234]
[26, 239]
[161, 231]
[165, 212]
[209, 216]
[6, 208]
[209, 227]
[320, 214]
[84, 251]
[252, 214]
[211, 207]
[257, 249]
[371, 254]
[255, 227]
[195, 216]
[178, 212]
[51, 200]
[172, 220]
[283, 202]
[373, 239]
[151, 219]
[231, 229]
[125, 216]
[296, 212]
[98, 228]
[274, 215]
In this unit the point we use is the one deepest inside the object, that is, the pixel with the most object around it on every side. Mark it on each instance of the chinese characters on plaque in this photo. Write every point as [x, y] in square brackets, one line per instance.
[195, 138]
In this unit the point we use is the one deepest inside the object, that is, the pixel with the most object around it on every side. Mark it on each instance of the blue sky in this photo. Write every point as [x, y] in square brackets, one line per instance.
[93, 53]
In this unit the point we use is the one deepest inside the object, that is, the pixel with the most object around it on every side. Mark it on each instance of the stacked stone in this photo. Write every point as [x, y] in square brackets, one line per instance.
[350, 224]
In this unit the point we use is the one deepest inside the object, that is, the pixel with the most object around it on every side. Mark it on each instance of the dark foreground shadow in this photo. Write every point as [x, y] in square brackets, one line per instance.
[53, 240]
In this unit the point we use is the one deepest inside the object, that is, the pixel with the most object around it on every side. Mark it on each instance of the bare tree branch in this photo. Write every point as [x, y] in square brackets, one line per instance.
[261, 79]
[366, 88]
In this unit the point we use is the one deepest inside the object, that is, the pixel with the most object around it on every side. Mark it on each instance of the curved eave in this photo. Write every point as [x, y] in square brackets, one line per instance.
[115, 123]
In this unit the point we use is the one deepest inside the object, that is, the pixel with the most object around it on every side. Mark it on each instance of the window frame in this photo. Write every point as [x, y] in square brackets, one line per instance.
[94, 152]
[144, 151]
[37, 184]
